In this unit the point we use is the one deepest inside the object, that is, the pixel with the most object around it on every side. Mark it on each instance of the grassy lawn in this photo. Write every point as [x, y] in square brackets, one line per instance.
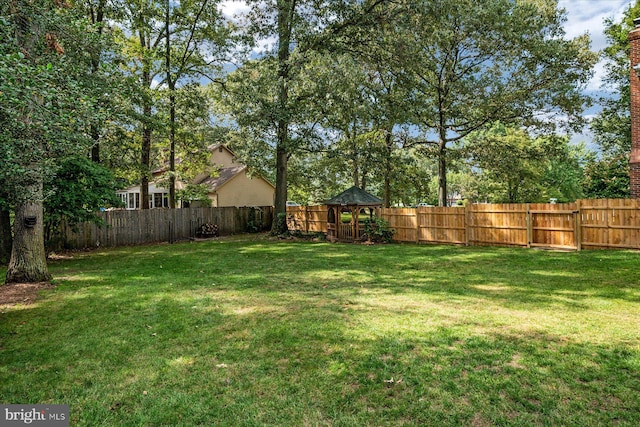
[254, 332]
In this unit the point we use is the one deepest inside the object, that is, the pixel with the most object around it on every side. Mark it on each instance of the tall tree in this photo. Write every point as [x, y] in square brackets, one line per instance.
[195, 45]
[299, 27]
[607, 176]
[144, 29]
[45, 100]
[473, 63]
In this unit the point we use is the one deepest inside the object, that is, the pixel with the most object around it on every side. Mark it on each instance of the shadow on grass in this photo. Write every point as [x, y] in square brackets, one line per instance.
[298, 333]
[239, 356]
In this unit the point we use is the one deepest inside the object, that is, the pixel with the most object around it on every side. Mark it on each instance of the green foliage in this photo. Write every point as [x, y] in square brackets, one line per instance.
[516, 168]
[47, 98]
[609, 175]
[612, 127]
[280, 225]
[377, 230]
[194, 193]
[472, 63]
[254, 225]
[80, 188]
[607, 178]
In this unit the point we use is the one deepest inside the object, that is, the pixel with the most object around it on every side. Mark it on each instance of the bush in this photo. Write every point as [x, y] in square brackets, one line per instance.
[377, 230]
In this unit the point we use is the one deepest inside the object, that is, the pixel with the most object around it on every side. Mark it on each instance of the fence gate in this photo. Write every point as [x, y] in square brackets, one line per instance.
[553, 227]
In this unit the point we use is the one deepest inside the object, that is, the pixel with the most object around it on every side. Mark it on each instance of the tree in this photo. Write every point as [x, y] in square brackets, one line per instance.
[612, 127]
[299, 27]
[45, 99]
[473, 63]
[515, 168]
[80, 188]
[195, 43]
[607, 176]
[143, 33]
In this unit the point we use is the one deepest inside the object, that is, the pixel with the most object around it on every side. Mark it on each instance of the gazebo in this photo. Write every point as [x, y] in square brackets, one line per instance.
[344, 212]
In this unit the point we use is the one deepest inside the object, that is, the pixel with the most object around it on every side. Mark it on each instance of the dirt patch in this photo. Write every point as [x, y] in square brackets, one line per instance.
[21, 293]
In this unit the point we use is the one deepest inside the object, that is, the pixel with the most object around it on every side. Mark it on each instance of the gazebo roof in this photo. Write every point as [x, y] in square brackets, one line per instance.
[354, 196]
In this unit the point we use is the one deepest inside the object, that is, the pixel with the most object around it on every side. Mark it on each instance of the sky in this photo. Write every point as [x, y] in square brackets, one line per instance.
[588, 16]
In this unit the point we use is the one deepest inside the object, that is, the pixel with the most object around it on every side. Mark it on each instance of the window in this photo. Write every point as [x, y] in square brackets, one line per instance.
[159, 200]
[130, 200]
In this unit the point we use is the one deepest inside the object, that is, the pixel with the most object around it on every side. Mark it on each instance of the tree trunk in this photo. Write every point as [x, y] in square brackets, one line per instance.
[145, 162]
[388, 140]
[172, 111]
[172, 149]
[285, 12]
[279, 225]
[28, 257]
[95, 149]
[6, 239]
[97, 19]
[145, 156]
[442, 175]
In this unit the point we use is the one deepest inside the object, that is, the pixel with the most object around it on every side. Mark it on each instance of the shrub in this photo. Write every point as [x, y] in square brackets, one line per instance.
[377, 230]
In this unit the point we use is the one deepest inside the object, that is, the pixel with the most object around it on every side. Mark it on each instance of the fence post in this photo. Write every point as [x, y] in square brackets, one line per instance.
[418, 224]
[578, 232]
[529, 227]
[466, 224]
[306, 219]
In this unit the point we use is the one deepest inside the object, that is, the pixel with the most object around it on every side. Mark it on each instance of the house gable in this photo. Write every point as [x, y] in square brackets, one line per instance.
[243, 190]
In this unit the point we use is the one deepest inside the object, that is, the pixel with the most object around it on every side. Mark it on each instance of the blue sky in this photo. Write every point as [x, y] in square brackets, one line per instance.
[588, 16]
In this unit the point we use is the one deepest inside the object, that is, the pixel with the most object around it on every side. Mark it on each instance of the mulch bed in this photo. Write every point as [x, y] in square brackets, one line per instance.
[21, 293]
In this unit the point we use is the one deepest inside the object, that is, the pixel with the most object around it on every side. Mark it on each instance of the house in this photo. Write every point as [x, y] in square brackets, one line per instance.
[232, 186]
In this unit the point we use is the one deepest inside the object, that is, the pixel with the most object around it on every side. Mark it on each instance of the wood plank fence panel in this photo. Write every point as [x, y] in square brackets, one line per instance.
[124, 228]
[588, 223]
[553, 225]
[610, 223]
[317, 219]
[404, 221]
[498, 224]
[442, 225]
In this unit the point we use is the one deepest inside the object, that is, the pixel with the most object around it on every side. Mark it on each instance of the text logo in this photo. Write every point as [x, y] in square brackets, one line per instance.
[34, 415]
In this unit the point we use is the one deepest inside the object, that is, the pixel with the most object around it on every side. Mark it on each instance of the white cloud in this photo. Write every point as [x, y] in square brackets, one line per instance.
[234, 9]
[588, 16]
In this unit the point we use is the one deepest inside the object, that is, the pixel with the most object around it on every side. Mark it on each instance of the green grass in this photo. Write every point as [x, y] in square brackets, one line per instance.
[255, 332]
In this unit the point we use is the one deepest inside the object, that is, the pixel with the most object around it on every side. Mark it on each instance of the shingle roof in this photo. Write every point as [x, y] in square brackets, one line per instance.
[354, 196]
[224, 175]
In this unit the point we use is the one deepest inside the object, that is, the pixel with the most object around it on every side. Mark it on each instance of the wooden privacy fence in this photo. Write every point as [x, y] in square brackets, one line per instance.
[310, 219]
[135, 227]
[588, 224]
